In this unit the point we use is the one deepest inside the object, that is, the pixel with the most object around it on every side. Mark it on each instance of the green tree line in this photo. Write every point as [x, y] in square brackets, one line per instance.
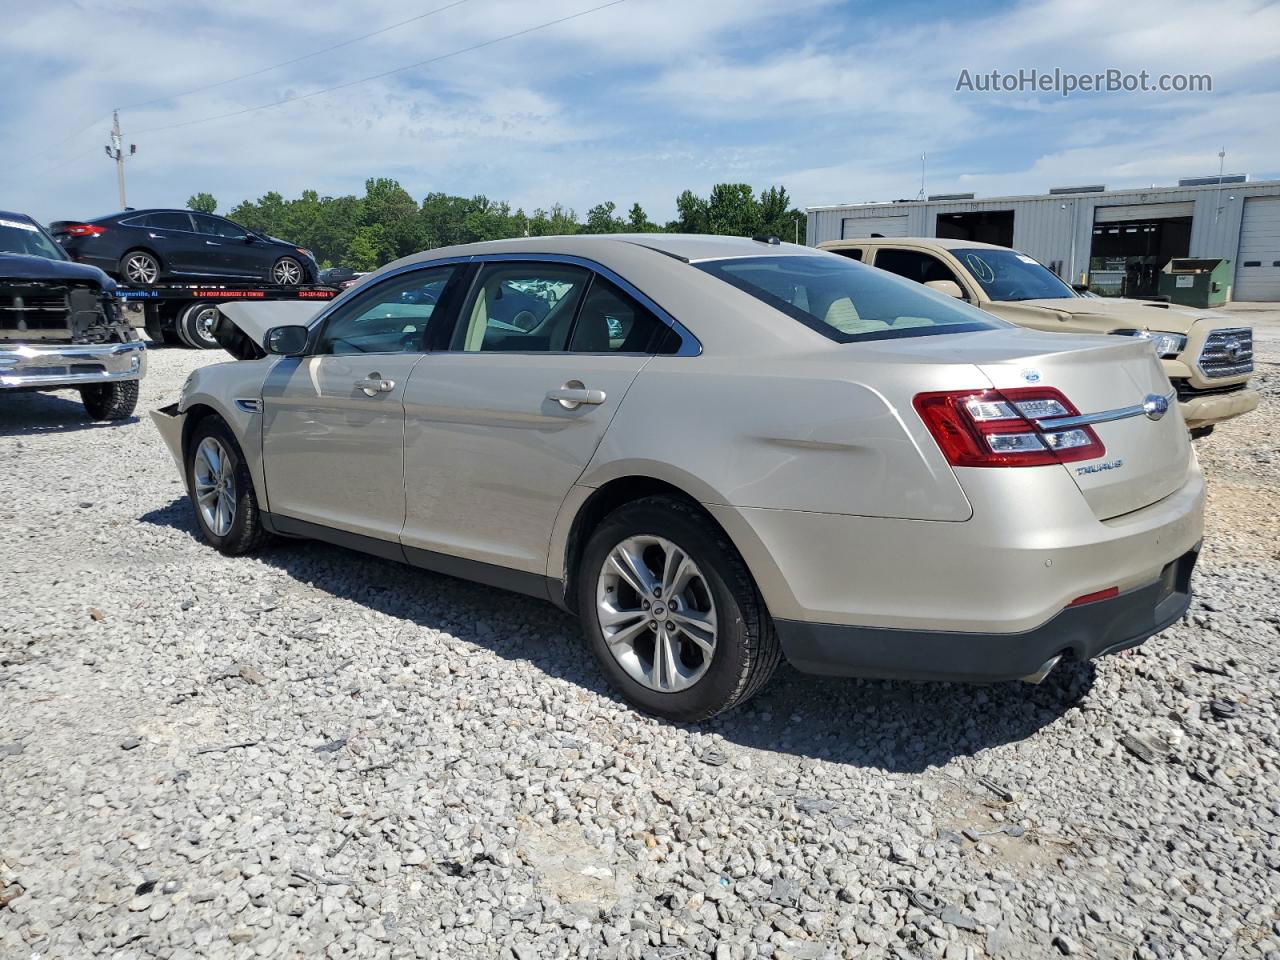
[365, 232]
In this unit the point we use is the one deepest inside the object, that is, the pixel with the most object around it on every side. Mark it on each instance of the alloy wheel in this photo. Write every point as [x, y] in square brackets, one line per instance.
[287, 272]
[215, 486]
[656, 613]
[141, 268]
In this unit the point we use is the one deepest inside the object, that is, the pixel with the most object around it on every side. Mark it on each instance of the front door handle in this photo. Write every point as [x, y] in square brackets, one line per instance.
[574, 394]
[212, 243]
[374, 384]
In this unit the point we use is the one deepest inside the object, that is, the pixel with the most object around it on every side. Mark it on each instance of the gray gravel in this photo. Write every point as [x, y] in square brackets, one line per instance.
[312, 753]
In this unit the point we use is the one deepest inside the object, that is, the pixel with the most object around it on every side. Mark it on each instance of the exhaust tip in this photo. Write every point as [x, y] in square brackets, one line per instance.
[1045, 669]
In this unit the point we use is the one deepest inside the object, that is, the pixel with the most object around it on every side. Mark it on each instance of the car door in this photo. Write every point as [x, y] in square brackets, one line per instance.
[500, 426]
[219, 250]
[172, 236]
[333, 421]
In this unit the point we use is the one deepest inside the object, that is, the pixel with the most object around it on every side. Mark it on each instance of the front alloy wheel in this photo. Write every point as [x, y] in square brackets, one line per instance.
[656, 613]
[287, 272]
[215, 486]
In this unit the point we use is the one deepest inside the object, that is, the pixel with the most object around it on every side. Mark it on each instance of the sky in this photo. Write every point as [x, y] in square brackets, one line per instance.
[834, 99]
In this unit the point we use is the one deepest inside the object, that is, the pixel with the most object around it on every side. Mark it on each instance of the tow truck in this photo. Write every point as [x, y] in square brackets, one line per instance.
[187, 313]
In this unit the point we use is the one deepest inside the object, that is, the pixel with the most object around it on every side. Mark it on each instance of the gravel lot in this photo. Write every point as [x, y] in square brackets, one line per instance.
[312, 753]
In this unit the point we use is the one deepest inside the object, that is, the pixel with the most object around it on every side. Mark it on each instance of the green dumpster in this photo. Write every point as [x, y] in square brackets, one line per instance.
[1196, 282]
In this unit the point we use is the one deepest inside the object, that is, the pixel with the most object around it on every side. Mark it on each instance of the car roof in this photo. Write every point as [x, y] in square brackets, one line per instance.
[944, 243]
[688, 247]
[18, 216]
[139, 211]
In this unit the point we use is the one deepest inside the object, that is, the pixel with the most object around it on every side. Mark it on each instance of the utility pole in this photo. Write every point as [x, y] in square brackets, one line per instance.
[1222, 159]
[924, 160]
[115, 150]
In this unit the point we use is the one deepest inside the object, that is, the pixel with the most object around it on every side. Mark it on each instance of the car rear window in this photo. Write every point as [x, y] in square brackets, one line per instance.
[848, 301]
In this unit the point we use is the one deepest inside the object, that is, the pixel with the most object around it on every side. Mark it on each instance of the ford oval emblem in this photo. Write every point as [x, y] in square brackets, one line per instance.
[1031, 375]
[1155, 406]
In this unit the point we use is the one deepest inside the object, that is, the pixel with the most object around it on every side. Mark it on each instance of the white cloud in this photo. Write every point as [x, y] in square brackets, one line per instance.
[635, 102]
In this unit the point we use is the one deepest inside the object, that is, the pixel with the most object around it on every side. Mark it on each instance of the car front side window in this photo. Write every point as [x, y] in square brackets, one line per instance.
[392, 317]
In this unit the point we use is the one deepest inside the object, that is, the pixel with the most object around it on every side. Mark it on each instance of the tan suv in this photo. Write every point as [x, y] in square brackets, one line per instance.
[1208, 357]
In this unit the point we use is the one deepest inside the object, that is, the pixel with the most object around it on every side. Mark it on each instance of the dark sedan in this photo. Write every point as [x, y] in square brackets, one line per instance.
[149, 246]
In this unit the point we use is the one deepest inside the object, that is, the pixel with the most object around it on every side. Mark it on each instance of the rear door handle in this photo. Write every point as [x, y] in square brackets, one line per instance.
[574, 394]
[374, 384]
[212, 243]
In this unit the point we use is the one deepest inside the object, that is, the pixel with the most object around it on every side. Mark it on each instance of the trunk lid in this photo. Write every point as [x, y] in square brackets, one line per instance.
[1146, 459]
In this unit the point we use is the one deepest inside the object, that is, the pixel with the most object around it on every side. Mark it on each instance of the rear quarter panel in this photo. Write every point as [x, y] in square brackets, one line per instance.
[808, 433]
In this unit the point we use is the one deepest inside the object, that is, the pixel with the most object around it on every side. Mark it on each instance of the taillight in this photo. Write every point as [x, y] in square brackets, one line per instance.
[82, 230]
[999, 428]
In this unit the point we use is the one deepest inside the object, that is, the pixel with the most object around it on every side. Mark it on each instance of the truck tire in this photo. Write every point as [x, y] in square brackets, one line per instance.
[195, 326]
[110, 401]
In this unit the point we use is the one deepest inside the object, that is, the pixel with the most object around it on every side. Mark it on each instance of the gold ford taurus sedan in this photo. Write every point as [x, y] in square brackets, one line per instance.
[718, 452]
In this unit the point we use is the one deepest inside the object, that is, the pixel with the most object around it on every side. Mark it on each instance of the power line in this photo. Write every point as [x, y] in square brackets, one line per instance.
[286, 63]
[385, 73]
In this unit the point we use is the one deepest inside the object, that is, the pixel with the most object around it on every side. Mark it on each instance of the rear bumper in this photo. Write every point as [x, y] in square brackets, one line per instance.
[54, 365]
[1085, 632]
[1214, 408]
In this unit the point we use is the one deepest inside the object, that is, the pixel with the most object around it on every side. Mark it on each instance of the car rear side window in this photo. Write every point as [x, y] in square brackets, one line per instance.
[611, 321]
[169, 221]
[847, 301]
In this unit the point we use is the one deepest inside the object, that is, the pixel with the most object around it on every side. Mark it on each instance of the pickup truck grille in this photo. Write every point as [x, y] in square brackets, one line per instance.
[1228, 353]
[33, 307]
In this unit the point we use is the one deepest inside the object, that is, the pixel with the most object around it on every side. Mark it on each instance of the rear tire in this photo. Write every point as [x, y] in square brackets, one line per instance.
[717, 590]
[110, 401]
[221, 489]
[195, 326]
[140, 267]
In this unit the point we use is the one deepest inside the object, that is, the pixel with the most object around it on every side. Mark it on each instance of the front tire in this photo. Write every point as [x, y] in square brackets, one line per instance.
[110, 401]
[1198, 433]
[671, 612]
[140, 267]
[288, 272]
[221, 489]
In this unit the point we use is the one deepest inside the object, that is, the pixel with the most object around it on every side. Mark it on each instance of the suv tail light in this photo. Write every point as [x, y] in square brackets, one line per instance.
[998, 428]
[82, 230]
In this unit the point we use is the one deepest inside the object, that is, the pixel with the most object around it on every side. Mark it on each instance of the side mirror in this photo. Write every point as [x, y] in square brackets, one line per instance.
[250, 238]
[1080, 287]
[949, 287]
[290, 341]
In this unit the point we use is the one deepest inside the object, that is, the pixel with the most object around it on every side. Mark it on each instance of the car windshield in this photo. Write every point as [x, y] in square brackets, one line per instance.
[847, 301]
[1009, 275]
[20, 236]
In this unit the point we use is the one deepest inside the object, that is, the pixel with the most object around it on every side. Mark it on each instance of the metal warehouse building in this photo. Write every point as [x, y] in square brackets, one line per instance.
[1117, 241]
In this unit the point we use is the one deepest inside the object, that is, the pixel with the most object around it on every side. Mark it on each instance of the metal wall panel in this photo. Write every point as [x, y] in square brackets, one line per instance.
[1059, 228]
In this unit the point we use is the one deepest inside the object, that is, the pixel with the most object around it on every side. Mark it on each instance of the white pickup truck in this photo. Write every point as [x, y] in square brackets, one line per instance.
[61, 327]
